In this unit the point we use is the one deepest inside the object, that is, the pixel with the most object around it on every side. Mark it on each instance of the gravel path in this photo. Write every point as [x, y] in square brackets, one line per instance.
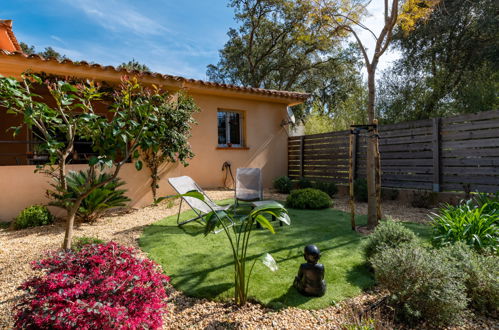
[19, 248]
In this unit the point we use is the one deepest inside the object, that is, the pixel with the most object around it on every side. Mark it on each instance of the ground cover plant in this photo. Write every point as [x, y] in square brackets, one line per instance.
[480, 274]
[36, 215]
[99, 287]
[201, 266]
[476, 224]
[423, 285]
[81, 241]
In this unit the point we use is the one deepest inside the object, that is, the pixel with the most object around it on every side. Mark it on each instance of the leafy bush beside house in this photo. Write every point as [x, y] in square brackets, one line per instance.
[99, 287]
[283, 184]
[33, 216]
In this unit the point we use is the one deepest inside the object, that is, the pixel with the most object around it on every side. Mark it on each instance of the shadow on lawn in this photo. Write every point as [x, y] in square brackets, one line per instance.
[290, 298]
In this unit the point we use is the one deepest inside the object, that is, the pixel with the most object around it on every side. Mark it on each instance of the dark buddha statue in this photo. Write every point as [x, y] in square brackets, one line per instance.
[310, 279]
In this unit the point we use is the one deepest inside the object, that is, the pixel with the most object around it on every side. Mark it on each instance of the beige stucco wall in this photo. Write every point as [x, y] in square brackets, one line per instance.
[265, 138]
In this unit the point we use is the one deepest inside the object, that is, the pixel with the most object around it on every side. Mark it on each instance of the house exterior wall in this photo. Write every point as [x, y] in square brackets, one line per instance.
[265, 139]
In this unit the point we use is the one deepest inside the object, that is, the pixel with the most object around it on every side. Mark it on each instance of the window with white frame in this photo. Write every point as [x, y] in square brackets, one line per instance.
[230, 128]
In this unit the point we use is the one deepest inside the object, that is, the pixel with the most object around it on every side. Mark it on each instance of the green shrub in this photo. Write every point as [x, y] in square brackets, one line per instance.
[80, 242]
[423, 285]
[99, 200]
[491, 202]
[388, 234]
[33, 216]
[308, 198]
[360, 190]
[467, 223]
[329, 188]
[283, 184]
[424, 199]
[480, 274]
[390, 194]
[304, 183]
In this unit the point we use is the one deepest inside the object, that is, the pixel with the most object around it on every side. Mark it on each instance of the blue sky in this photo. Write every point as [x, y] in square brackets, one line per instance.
[170, 36]
[173, 37]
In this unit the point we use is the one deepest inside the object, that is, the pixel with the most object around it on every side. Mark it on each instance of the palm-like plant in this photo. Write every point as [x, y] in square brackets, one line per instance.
[239, 237]
[97, 202]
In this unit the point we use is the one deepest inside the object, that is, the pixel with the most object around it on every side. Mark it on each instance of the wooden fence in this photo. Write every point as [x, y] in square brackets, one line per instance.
[441, 154]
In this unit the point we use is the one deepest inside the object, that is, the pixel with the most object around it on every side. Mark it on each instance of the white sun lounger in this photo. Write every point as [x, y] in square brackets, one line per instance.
[184, 184]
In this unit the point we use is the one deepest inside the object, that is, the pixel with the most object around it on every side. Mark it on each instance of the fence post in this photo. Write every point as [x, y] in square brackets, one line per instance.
[354, 156]
[302, 147]
[436, 154]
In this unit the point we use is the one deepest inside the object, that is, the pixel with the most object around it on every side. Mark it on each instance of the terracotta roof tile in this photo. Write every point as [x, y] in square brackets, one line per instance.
[269, 92]
[7, 23]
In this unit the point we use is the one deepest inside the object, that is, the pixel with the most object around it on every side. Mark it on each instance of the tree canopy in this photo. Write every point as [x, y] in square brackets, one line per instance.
[280, 44]
[49, 52]
[133, 65]
[449, 64]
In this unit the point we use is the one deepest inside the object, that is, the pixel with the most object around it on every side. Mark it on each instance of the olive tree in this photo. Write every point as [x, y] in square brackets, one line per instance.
[134, 120]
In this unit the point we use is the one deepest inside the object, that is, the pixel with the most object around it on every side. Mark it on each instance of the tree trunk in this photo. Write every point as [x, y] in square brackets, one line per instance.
[372, 219]
[70, 219]
[154, 176]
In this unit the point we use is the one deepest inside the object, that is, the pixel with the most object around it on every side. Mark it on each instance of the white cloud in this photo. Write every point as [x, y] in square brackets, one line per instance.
[56, 38]
[117, 16]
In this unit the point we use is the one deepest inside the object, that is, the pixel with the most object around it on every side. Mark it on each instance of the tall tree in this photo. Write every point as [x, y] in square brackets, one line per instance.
[277, 46]
[449, 64]
[337, 15]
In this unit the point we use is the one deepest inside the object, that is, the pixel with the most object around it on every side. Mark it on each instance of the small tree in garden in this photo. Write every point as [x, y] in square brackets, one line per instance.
[167, 140]
[339, 15]
[135, 119]
[239, 235]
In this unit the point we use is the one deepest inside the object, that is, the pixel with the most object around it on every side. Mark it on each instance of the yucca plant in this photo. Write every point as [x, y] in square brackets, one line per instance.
[97, 202]
[475, 225]
[238, 236]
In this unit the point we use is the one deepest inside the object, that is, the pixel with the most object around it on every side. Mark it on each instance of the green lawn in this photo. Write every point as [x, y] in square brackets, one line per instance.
[202, 266]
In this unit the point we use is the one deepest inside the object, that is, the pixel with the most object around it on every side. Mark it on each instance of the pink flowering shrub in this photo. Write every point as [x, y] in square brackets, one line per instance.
[100, 287]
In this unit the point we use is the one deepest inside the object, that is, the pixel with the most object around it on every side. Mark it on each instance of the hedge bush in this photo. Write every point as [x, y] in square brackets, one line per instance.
[33, 216]
[423, 285]
[424, 199]
[360, 190]
[480, 274]
[308, 198]
[329, 188]
[283, 184]
[388, 234]
[100, 287]
[304, 183]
